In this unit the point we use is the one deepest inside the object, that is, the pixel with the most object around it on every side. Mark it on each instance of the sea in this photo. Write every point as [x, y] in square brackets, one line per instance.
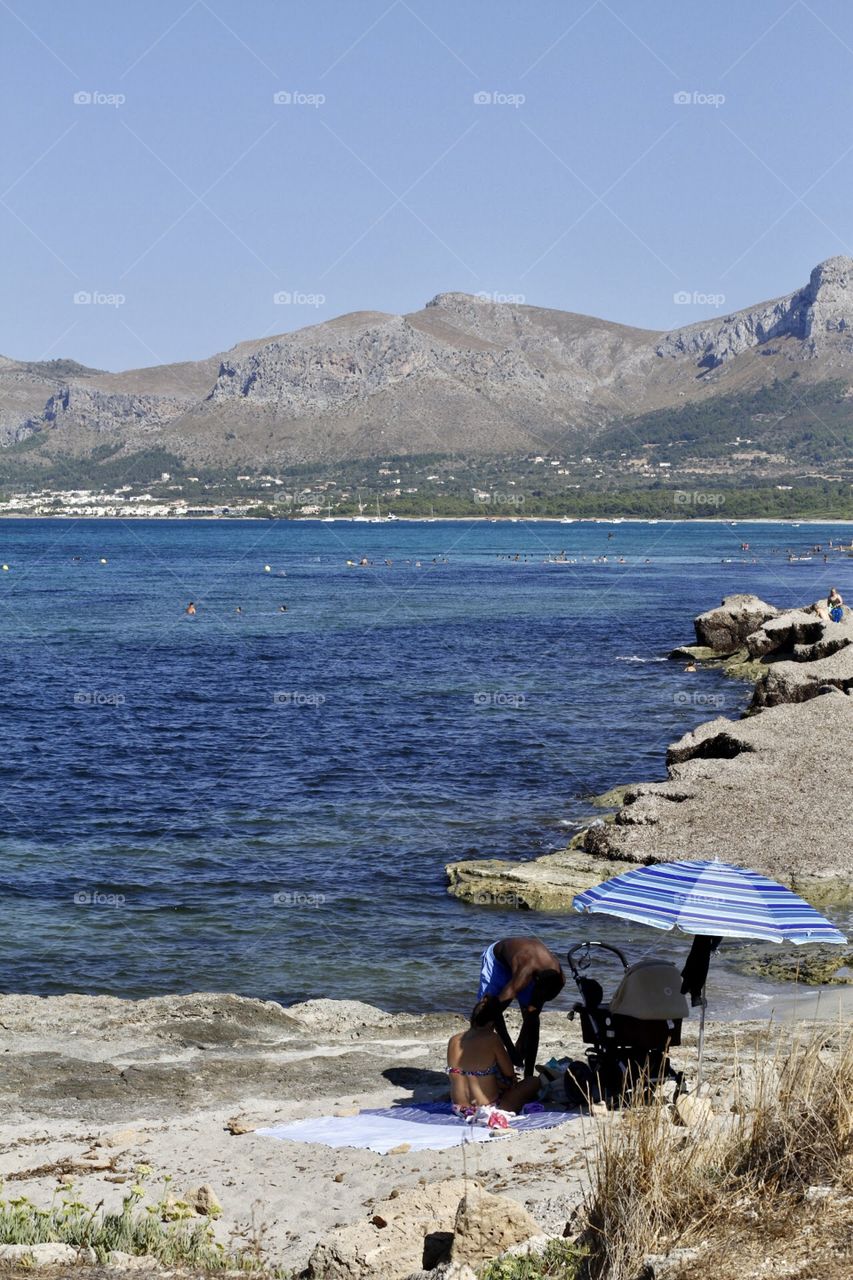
[261, 797]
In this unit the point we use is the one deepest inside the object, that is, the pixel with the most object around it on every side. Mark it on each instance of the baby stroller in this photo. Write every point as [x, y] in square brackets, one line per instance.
[629, 1037]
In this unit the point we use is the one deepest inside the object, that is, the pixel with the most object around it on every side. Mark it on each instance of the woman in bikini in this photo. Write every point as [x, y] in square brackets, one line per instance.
[480, 1071]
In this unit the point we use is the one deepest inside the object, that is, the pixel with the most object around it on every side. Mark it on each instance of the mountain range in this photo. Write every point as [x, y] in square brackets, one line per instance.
[462, 374]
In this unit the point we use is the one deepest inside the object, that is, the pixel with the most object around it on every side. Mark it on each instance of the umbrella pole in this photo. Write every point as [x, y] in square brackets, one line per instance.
[702, 1005]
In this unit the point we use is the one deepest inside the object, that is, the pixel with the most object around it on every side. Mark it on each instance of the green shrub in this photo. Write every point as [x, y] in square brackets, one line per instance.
[165, 1229]
[560, 1260]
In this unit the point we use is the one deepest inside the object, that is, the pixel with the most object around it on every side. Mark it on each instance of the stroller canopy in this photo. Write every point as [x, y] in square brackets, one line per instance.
[650, 990]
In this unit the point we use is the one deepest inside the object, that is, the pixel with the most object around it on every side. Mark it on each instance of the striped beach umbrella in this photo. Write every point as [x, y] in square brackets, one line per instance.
[710, 898]
[711, 901]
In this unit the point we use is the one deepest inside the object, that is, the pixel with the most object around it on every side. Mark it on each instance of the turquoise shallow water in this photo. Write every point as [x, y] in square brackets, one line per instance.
[264, 802]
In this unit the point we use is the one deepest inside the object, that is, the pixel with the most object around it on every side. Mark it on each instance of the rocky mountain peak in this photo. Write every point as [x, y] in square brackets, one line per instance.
[451, 301]
[819, 315]
[828, 298]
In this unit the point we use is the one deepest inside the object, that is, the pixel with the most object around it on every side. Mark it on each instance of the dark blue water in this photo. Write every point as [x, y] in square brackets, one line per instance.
[264, 802]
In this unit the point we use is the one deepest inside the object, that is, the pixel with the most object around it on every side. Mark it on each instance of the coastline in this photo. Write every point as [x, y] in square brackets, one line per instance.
[790, 521]
[754, 790]
[96, 1088]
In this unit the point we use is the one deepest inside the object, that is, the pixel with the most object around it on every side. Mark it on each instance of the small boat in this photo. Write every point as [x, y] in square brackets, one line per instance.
[379, 518]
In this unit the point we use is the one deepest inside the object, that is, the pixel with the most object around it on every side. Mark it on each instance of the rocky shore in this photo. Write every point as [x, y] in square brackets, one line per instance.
[98, 1093]
[770, 791]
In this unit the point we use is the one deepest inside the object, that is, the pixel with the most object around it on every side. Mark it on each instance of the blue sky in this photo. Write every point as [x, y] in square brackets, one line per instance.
[184, 199]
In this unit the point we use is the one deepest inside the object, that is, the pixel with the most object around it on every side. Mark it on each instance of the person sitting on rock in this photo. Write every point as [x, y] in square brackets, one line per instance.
[835, 604]
[480, 1071]
[521, 969]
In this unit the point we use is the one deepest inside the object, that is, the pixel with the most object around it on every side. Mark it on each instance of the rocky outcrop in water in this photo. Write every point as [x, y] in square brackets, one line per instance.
[770, 791]
[726, 628]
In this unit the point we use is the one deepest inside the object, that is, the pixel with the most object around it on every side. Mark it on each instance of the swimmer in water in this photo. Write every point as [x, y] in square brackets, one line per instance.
[238, 609]
[190, 609]
[282, 608]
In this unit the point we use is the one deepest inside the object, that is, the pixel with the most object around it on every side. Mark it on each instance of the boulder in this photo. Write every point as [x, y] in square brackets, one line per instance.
[726, 628]
[203, 1200]
[487, 1225]
[121, 1138]
[239, 1125]
[784, 630]
[834, 638]
[692, 1111]
[793, 682]
[38, 1255]
[418, 1231]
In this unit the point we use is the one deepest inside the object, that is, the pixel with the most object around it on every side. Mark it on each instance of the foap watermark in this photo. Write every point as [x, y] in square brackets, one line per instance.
[295, 698]
[698, 498]
[696, 298]
[288, 899]
[97, 898]
[294, 298]
[492, 898]
[96, 98]
[696, 98]
[517, 299]
[498, 698]
[96, 298]
[98, 698]
[296, 98]
[497, 98]
[685, 698]
[494, 499]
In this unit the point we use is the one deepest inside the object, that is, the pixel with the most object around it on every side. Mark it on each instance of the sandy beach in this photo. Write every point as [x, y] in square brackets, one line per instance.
[94, 1087]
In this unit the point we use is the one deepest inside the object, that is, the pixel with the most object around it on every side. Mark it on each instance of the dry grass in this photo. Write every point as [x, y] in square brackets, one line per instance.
[744, 1170]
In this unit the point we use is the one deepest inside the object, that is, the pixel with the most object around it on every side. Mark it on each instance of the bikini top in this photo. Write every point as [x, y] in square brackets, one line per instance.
[493, 1070]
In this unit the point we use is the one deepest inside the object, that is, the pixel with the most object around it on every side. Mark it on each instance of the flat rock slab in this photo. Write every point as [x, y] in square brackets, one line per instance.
[544, 884]
[771, 792]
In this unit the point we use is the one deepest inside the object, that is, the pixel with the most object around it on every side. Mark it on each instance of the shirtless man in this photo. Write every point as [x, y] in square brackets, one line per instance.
[521, 969]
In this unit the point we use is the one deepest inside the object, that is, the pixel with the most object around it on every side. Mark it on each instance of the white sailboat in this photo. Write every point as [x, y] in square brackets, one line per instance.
[361, 516]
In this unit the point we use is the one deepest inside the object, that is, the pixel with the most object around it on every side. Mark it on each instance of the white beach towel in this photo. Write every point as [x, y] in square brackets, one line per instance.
[378, 1133]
